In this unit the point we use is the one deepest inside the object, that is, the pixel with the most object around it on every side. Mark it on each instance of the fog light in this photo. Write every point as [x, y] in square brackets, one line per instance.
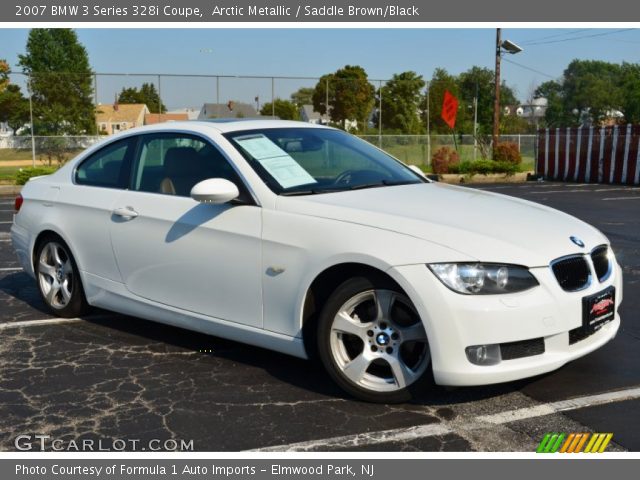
[484, 354]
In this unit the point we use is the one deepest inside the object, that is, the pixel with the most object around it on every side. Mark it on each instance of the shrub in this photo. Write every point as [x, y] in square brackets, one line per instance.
[507, 152]
[485, 167]
[444, 159]
[24, 174]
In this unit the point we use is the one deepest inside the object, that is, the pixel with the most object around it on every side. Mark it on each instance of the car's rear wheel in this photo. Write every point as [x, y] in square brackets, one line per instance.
[58, 279]
[372, 342]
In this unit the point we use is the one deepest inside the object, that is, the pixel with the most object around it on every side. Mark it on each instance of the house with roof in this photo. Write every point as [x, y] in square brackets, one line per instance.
[153, 118]
[117, 117]
[309, 115]
[191, 112]
[231, 109]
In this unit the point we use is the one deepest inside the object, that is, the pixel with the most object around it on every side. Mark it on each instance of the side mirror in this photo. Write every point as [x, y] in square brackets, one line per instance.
[214, 190]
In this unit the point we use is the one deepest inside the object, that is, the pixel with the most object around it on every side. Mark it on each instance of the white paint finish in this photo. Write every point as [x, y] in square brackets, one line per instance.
[625, 162]
[369, 438]
[204, 267]
[5, 223]
[560, 406]
[445, 215]
[476, 321]
[556, 168]
[620, 198]
[202, 258]
[614, 150]
[601, 156]
[546, 152]
[10, 269]
[587, 175]
[567, 149]
[578, 148]
[636, 179]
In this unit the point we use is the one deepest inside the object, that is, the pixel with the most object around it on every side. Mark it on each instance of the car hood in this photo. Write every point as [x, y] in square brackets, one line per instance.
[484, 225]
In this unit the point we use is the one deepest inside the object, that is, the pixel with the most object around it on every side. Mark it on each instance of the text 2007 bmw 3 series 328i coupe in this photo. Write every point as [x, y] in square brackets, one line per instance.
[309, 241]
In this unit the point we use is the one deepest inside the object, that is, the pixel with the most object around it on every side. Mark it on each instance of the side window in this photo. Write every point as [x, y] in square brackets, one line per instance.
[106, 167]
[172, 163]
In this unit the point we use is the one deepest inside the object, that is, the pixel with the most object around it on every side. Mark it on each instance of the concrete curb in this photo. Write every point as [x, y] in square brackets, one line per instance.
[490, 178]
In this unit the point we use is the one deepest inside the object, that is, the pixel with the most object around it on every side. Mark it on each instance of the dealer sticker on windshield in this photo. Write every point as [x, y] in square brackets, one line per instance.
[280, 165]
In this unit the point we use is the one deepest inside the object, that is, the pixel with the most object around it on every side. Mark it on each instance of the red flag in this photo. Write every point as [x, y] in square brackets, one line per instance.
[449, 109]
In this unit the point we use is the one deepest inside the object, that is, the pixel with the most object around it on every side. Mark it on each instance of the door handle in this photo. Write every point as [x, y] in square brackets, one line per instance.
[127, 213]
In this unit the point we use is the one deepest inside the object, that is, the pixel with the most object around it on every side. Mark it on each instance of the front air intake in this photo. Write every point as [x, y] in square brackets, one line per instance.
[572, 273]
[601, 262]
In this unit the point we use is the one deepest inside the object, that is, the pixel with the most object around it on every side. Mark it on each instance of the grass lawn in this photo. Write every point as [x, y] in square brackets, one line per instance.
[8, 175]
[417, 154]
[20, 154]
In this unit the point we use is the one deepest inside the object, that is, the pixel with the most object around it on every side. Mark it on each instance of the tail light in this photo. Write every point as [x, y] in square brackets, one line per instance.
[18, 203]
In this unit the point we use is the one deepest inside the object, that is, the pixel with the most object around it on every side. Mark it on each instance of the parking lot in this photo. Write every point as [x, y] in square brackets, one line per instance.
[108, 376]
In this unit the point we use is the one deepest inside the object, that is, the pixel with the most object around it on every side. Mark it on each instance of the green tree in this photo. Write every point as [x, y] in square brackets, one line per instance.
[481, 82]
[14, 107]
[4, 74]
[147, 94]
[432, 103]
[629, 86]
[60, 82]
[351, 96]
[555, 115]
[590, 89]
[283, 109]
[302, 96]
[401, 97]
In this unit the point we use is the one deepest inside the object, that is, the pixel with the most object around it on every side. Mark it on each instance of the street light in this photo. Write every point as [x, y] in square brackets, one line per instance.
[501, 46]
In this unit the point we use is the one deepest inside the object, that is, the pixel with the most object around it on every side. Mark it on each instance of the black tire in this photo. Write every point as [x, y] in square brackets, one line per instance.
[337, 349]
[59, 271]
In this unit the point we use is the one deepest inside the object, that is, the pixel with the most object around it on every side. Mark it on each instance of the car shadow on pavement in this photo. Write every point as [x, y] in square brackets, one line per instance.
[303, 374]
[20, 288]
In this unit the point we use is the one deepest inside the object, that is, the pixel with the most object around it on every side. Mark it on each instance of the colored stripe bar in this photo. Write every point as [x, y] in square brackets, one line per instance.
[567, 442]
[605, 442]
[578, 448]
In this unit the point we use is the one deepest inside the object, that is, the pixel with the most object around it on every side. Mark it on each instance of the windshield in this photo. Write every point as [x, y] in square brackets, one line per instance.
[305, 161]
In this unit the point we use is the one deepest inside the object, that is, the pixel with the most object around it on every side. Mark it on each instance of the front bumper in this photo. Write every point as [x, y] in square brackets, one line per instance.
[454, 321]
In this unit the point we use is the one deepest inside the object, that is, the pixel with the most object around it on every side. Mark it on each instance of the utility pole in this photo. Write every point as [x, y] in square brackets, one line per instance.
[475, 123]
[496, 102]
[33, 139]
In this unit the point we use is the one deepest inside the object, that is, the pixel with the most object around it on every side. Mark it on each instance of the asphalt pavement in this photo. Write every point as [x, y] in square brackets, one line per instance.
[109, 376]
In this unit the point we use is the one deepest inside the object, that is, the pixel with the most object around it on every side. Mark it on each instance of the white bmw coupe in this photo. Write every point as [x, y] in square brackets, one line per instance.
[309, 241]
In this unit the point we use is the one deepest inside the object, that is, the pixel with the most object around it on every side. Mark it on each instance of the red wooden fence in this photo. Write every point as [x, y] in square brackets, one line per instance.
[590, 154]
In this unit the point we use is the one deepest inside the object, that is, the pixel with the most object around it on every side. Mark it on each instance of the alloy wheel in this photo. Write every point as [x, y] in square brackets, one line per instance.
[378, 341]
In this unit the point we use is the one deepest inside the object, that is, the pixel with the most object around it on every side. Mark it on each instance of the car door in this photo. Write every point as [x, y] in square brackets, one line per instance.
[98, 181]
[170, 249]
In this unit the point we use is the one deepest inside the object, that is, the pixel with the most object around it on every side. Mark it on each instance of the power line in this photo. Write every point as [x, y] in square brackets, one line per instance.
[529, 68]
[573, 32]
[601, 34]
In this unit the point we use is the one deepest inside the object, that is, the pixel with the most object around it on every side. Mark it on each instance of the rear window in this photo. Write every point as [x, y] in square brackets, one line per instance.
[108, 167]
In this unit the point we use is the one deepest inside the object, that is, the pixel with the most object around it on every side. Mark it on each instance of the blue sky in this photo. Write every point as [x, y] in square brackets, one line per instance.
[312, 52]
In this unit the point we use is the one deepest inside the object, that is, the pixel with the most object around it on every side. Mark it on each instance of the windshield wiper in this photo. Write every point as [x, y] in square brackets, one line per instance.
[382, 183]
[346, 188]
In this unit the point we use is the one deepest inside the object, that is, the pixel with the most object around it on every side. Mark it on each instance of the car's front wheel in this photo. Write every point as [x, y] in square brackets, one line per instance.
[58, 279]
[372, 342]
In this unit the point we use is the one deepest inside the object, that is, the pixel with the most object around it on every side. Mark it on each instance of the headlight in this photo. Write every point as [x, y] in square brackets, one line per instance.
[483, 278]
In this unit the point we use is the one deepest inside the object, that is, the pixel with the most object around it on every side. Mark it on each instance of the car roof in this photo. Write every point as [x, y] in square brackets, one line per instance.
[224, 125]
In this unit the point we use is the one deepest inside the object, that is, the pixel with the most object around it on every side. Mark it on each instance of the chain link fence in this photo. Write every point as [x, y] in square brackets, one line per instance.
[78, 111]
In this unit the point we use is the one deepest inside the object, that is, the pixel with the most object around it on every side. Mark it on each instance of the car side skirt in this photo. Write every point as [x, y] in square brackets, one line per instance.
[110, 295]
